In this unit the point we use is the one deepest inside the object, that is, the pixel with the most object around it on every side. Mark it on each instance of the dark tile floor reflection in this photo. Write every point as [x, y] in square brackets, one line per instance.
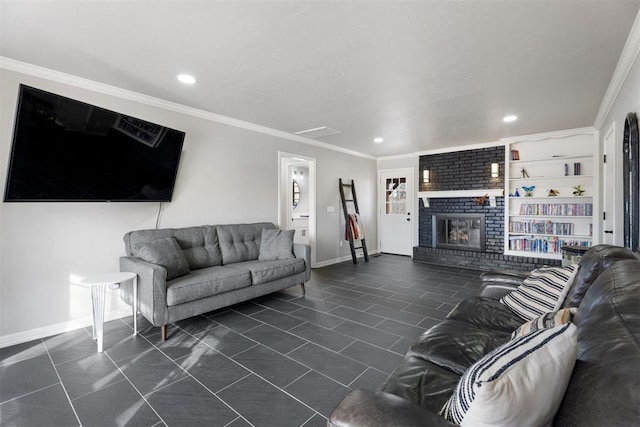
[280, 360]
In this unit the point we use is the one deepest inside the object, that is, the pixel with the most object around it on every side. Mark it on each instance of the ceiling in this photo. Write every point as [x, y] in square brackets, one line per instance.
[422, 75]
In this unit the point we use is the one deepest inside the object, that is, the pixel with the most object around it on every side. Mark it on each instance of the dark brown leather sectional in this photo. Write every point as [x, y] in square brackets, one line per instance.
[604, 389]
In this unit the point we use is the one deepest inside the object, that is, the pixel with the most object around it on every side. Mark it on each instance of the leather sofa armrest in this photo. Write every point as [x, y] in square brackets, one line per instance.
[367, 408]
[152, 289]
[496, 284]
[304, 251]
[496, 290]
[503, 277]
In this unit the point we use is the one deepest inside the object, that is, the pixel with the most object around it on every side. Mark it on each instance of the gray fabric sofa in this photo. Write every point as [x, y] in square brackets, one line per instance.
[183, 272]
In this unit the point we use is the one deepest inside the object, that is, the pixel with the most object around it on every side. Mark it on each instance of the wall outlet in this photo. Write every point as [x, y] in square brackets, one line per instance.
[341, 242]
[331, 209]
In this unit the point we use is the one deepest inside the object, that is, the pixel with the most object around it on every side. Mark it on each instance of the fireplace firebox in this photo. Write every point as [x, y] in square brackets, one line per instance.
[459, 231]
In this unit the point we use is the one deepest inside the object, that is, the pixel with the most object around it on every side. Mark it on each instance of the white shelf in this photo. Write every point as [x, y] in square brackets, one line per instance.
[590, 217]
[544, 255]
[559, 236]
[548, 197]
[552, 178]
[559, 159]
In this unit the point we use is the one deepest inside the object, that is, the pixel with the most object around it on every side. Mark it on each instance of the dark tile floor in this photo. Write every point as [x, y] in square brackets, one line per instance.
[279, 360]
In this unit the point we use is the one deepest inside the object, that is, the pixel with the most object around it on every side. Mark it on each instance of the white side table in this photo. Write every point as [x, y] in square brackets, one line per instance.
[98, 286]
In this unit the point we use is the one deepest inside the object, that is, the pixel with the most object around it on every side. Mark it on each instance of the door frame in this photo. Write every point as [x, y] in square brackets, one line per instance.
[285, 161]
[413, 202]
[608, 190]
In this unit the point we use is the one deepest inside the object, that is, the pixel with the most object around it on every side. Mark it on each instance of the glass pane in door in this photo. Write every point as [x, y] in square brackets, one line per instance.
[396, 196]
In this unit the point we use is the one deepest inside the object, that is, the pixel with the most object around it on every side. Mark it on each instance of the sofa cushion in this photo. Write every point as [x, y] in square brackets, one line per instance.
[421, 382]
[542, 292]
[276, 244]
[164, 252]
[596, 260]
[486, 313]
[267, 271]
[456, 345]
[241, 242]
[519, 384]
[206, 282]
[199, 244]
[547, 320]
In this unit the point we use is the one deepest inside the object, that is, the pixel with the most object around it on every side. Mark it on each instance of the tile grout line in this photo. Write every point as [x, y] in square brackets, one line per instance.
[73, 408]
[143, 397]
[252, 372]
[188, 375]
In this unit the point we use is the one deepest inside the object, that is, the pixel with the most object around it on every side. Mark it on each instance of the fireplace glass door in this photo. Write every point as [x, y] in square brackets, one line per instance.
[459, 231]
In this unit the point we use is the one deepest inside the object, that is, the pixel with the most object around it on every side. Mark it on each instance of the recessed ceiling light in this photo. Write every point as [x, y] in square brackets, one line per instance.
[187, 79]
[378, 140]
[509, 119]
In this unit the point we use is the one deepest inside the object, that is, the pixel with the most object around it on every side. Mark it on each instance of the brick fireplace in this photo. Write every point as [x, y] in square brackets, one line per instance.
[470, 170]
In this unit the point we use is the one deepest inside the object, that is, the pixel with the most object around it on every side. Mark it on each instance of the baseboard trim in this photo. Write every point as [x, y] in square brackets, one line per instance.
[58, 328]
[343, 259]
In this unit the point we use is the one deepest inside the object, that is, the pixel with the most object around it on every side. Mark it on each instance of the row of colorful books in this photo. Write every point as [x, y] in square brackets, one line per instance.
[559, 209]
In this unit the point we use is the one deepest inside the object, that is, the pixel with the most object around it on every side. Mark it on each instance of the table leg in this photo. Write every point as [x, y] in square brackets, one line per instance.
[135, 305]
[97, 304]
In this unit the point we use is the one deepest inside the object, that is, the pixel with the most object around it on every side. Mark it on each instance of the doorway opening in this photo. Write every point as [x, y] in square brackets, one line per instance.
[297, 198]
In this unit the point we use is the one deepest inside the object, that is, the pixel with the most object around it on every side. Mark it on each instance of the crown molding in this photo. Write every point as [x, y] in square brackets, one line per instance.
[460, 148]
[625, 63]
[551, 135]
[80, 82]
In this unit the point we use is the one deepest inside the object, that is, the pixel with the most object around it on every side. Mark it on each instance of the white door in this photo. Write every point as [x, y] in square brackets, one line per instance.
[608, 187]
[396, 211]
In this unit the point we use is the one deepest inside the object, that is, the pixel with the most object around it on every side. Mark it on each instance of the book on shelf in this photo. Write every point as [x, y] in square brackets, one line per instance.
[557, 209]
[541, 227]
[547, 245]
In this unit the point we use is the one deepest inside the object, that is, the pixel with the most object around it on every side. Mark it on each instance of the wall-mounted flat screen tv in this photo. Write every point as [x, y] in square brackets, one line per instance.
[69, 151]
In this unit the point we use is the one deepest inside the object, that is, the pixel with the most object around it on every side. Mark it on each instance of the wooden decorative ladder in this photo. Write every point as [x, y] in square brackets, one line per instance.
[354, 202]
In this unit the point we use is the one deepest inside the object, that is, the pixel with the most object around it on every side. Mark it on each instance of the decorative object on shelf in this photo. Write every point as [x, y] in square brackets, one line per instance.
[425, 175]
[516, 194]
[552, 192]
[566, 169]
[528, 191]
[577, 190]
[515, 155]
[481, 200]
[524, 173]
[495, 170]
[576, 168]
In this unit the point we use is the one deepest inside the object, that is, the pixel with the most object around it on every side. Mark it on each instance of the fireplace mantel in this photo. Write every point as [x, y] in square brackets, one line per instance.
[491, 192]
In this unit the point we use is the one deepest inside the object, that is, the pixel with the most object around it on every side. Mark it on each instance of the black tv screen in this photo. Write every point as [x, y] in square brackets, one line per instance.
[69, 151]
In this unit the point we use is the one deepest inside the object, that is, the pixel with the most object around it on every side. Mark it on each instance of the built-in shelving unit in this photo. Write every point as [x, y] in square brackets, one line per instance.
[537, 223]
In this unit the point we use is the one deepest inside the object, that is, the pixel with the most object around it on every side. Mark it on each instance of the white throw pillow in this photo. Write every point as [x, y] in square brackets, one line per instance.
[521, 383]
[542, 292]
[547, 320]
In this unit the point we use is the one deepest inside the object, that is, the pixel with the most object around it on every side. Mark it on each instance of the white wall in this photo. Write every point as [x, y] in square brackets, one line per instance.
[627, 101]
[227, 175]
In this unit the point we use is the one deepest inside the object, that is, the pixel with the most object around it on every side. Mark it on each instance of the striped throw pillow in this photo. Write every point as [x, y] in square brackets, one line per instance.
[518, 384]
[542, 292]
[547, 320]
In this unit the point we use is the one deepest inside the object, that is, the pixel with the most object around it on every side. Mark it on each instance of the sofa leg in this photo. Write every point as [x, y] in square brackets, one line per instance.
[303, 290]
[163, 332]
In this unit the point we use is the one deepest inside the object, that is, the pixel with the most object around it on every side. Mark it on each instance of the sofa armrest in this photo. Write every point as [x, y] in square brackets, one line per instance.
[496, 290]
[304, 251]
[496, 284]
[368, 408]
[152, 289]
